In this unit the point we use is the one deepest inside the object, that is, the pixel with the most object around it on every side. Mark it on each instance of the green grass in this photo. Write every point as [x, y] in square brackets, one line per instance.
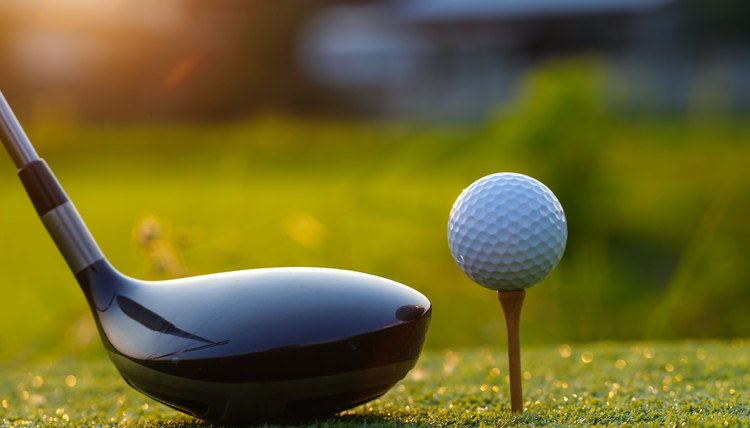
[657, 212]
[658, 238]
[646, 384]
[658, 243]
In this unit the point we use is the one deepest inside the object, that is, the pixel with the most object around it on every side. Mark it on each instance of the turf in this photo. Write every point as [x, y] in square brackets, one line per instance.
[657, 210]
[684, 383]
[649, 253]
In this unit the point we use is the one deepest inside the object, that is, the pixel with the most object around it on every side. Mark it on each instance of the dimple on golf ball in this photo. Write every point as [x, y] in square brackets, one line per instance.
[507, 231]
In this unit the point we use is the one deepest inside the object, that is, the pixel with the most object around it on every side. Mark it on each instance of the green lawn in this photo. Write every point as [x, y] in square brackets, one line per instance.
[658, 243]
[646, 384]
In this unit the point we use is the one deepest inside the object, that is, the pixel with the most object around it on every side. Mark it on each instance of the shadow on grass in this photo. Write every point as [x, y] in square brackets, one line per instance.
[377, 419]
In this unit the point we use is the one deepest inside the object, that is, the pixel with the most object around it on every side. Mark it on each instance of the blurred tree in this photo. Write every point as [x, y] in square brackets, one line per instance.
[565, 102]
[232, 58]
[716, 22]
[243, 53]
[224, 59]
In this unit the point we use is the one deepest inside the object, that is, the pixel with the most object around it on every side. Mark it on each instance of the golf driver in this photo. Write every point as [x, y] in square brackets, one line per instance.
[273, 344]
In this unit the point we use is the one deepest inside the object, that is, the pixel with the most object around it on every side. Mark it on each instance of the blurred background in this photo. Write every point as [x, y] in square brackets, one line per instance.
[199, 136]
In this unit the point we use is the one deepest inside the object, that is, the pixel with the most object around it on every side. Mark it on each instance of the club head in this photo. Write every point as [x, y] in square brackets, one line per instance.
[238, 347]
[279, 344]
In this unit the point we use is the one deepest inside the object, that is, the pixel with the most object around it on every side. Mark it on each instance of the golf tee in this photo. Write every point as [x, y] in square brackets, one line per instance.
[511, 302]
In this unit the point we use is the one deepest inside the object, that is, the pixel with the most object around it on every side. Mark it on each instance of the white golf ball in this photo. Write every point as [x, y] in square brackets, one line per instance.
[507, 231]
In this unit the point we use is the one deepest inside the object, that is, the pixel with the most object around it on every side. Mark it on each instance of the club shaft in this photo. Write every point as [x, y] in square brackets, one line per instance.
[14, 138]
[59, 216]
[512, 301]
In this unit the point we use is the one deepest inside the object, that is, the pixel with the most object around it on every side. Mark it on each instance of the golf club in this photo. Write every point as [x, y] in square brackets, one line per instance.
[272, 344]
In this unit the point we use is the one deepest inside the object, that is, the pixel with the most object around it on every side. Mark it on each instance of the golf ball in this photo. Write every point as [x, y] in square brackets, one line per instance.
[507, 231]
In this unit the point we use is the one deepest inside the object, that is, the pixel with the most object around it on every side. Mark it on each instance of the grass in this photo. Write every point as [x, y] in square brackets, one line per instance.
[684, 383]
[662, 246]
[657, 212]
[658, 233]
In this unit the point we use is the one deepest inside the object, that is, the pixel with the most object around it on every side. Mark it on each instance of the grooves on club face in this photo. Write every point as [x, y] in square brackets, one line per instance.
[281, 344]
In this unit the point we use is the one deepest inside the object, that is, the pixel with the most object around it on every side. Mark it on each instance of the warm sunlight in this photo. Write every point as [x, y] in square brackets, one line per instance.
[99, 13]
[58, 39]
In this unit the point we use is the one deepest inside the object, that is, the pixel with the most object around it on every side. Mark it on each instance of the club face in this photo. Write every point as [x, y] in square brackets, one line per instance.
[258, 345]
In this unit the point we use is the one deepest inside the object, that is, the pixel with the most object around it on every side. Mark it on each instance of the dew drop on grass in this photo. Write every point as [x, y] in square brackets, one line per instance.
[37, 381]
[37, 400]
[417, 375]
[70, 381]
[620, 364]
[587, 357]
[565, 351]
[451, 361]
